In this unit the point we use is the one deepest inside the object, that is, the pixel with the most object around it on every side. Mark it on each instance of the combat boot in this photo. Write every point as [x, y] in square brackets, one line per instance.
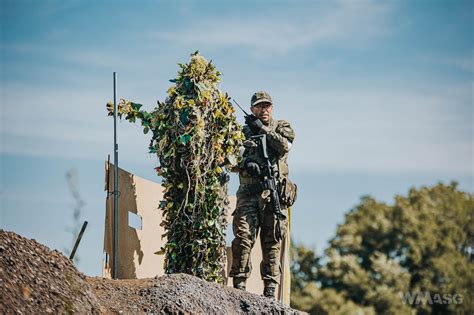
[239, 283]
[269, 292]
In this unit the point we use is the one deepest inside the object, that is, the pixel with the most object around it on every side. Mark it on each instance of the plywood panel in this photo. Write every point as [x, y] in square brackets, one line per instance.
[137, 247]
[136, 258]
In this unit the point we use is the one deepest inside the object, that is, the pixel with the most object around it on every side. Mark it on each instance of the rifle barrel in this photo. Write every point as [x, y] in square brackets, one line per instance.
[246, 114]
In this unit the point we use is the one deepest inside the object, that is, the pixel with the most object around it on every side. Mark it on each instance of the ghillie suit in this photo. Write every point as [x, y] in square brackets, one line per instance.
[194, 134]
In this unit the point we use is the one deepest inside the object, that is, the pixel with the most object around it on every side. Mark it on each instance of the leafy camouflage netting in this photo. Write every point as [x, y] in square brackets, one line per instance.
[195, 134]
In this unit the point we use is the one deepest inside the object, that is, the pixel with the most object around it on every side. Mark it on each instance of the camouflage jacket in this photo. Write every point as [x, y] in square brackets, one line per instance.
[280, 136]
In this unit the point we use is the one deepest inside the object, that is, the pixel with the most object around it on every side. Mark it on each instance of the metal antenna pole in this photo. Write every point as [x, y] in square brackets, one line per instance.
[115, 269]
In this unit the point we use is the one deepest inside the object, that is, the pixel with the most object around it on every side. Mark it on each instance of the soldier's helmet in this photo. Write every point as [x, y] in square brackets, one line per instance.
[260, 97]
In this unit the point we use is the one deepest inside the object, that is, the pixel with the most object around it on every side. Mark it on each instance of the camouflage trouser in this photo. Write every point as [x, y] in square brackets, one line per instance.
[253, 213]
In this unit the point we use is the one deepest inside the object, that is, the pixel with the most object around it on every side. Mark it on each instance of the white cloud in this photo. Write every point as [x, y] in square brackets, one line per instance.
[346, 23]
[387, 130]
[465, 64]
[63, 122]
[342, 21]
[384, 130]
[462, 63]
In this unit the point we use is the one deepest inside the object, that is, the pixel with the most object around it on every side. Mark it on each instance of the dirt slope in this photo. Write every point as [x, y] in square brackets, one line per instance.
[180, 293]
[34, 279]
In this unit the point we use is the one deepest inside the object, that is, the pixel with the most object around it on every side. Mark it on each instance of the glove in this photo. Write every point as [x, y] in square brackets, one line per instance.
[224, 178]
[252, 167]
[254, 123]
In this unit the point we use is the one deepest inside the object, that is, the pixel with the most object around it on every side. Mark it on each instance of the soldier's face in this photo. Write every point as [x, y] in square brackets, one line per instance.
[262, 111]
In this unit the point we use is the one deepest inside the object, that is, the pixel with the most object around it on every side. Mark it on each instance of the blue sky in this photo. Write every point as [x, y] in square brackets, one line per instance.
[380, 94]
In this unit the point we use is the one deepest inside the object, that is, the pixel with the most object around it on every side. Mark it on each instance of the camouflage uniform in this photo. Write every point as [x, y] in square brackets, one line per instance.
[254, 211]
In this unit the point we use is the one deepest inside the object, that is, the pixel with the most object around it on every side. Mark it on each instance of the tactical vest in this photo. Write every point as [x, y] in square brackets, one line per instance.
[278, 159]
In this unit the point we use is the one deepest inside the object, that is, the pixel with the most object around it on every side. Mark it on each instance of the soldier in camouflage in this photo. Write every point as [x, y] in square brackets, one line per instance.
[254, 211]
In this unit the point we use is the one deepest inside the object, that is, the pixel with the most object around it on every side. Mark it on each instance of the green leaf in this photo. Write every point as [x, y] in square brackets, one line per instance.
[183, 117]
[185, 138]
[188, 84]
[145, 130]
[136, 106]
[146, 115]
[160, 252]
[170, 153]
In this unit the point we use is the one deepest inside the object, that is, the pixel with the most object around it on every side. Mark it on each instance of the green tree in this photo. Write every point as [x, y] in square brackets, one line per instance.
[304, 263]
[421, 243]
[195, 135]
[307, 296]
[303, 267]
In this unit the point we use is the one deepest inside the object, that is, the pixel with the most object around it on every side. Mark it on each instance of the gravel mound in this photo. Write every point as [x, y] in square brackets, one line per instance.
[34, 279]
[178, 294]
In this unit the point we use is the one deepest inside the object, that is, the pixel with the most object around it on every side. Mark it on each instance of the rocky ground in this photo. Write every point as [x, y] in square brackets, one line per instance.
[180, 293]
[34, 279]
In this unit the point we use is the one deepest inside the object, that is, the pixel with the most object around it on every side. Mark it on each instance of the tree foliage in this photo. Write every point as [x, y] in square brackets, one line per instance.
[195, 134]
[421, 244]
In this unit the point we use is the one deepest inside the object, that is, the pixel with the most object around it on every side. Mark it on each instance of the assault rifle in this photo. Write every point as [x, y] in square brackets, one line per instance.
[269, 182]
